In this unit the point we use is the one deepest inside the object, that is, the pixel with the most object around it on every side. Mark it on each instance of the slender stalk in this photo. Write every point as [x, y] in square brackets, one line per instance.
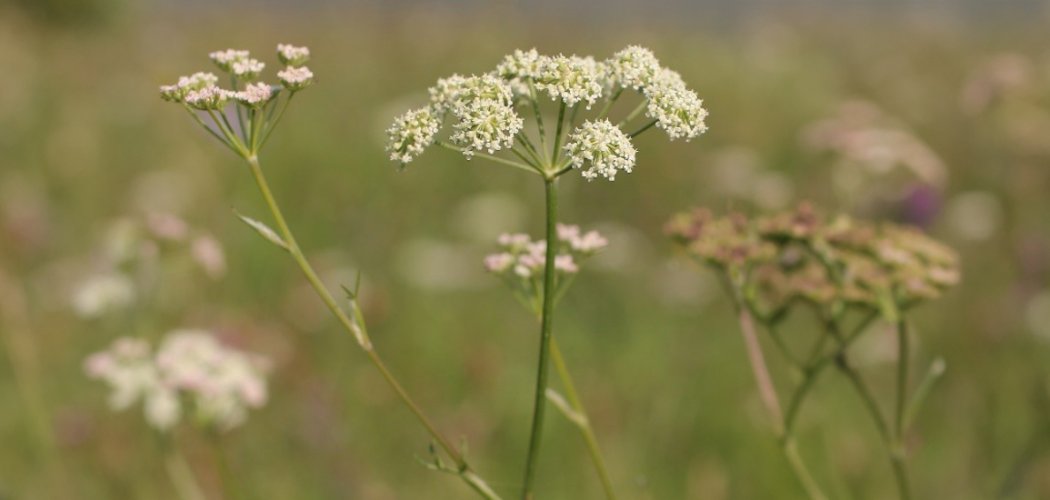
[181, 476]
[634, 114]
[896, 457]
[496, 159]
[273, 123]
[539, 115]
[902, 378]
[557, 134]
[801, 472]
[609, 102]
[645, 127]
[360, 333]
[766, 390]
[585, 424]
[540, 397]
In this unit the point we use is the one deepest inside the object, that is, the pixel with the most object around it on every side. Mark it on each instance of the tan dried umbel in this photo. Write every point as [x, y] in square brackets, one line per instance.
[840, 268]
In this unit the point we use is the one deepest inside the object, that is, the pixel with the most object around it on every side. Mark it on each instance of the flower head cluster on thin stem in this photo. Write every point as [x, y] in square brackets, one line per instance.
[799, 254]
[258, 106]
[485, 113]
[521, 260]
[191, 374]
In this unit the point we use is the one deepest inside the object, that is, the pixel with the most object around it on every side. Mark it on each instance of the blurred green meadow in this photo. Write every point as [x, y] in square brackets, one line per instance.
[937, 121]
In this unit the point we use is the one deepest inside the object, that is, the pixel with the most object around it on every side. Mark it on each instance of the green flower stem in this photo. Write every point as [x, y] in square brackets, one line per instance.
[801, 472]
[540, 397]
[181, 476]
[208, 129]
[539, 115]
[557, 134]
[902, 378]
[634, 114]
[768, 395]
[645, 127]
[272, 123]
[356, 327]
[504, 161]
[892, 445]
[585, 425]
[608, 104]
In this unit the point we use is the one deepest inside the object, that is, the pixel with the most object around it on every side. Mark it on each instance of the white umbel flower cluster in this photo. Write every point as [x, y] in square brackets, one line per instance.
[571, 79]
[676, 109]
[484, 118]
[191, 372]
[290, 55]
[209, 98]
[225, 59]
[599, 148]
[411, 134]
[255, 94]
[187, 84]
[632, 68]
[295, 78]
[521, 261]
[247, 69]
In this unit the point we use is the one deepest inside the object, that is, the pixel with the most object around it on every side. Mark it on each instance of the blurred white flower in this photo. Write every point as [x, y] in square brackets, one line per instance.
[220, 384]
[247, 69]
[208, 253]
[103, 293]
[208, 98]
[291, 55]
[167, 226]
[255, 94]
[601, 147]
[225, 59]
[676, 109]
[295, 78]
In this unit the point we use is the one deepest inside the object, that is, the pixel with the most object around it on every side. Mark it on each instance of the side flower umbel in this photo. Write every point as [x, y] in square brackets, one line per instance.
[191, 375]
[521, 261]
[483, 111]
[257, 108]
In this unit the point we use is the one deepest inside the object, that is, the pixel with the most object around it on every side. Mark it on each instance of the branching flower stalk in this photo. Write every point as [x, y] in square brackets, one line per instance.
[262, 107]
[839, 269]
[482, 116]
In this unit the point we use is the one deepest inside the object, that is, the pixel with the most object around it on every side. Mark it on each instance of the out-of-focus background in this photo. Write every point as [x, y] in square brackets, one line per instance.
[115, 213]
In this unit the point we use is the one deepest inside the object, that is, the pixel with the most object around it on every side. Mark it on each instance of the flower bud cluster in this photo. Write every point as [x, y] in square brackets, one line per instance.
[201, 90]
[800, 254]
[191, 375]
[521, 260]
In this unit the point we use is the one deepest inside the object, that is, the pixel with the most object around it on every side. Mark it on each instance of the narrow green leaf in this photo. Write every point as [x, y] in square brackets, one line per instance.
[263, 231]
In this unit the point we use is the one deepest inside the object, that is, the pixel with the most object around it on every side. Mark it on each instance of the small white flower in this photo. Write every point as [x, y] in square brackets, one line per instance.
[499, 262]
[224, 59]
[103, 293]
[633, 67]
[566, 264]
[247, 69]
[571, 79]
[567, 232]
[208, 98]
[295, 77]
[255, 94]
[520, 64]
[602, 146]
[515, 240]
[187, 84]
[485, 124]
[590, 242]
[191, 367]
[291, 55]
[676, 109]
[445, 92]
[411, 134]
